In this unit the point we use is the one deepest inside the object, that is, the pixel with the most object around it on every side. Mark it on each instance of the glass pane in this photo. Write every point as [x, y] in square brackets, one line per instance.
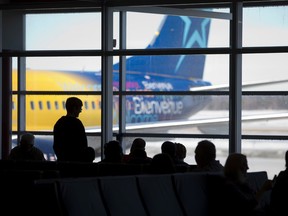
[153, 147]
[214, 118]
[177, 114]
[14, 112]
[268, 155]
[265, 72]
[14, 74]
[264, 115]
[175, 31]
[41, 118]
[219, 30]
[116, 114]
[265, 26]
[63, 31]
[95, 142]
[176, 72]
[44, 143]
[216, 71]
[63, 74]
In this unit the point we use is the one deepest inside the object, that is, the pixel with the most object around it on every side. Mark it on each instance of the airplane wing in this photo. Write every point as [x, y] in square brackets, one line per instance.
[253, 85]
[217, 125]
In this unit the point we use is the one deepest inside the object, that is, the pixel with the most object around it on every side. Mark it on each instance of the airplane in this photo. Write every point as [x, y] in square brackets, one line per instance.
[143, 73]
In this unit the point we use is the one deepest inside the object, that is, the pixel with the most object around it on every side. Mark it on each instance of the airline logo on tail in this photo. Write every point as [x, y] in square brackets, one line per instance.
[196, 37]
[175, 32]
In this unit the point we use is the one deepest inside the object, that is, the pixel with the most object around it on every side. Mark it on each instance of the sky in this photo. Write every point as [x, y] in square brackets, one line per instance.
[261, 27]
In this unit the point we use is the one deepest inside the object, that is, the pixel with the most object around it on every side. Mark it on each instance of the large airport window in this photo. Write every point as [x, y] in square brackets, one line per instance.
[175, 78]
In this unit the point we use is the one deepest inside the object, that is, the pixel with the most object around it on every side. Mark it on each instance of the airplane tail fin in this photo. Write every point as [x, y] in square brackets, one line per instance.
[175, 32]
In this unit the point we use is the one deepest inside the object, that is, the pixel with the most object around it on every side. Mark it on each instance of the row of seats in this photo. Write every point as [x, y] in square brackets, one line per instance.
[78, 169]
[182, 194]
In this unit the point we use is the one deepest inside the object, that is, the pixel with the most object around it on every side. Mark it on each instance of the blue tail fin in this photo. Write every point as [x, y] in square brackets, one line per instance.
[175, 32]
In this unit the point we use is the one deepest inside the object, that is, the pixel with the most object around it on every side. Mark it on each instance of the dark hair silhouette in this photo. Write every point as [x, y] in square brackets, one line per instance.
[162, 163]
[73, 102]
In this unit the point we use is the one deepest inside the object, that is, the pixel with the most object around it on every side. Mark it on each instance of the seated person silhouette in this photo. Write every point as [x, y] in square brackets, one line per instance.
[26, 149]
[169, 148]
[181, 152]
[162, 163]
[113, 152]
[138, 154]
[279, 193]
[239, 197]
[205, 157]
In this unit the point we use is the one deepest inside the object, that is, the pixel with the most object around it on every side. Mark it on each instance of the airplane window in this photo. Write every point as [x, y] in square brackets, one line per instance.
[13, 105]
[63, 104]
[100, 104]
[56, 105]
[40, 105]
[32, 105]
[86, 104]
[48, 105]
[93, 105]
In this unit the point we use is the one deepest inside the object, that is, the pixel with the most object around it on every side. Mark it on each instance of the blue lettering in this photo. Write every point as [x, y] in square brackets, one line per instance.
[142, 106]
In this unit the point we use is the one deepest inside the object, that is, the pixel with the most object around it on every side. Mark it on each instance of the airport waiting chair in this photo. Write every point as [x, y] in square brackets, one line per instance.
[159, 195]
[192, 192]
[256, 180]
[121, 194]
[81, 196]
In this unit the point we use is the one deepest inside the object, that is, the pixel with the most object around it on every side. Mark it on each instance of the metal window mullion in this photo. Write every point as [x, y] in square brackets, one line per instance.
[13, 27]
[235, 81]
[107, 77]
[6, 108]
[21, 99]
[122, 78]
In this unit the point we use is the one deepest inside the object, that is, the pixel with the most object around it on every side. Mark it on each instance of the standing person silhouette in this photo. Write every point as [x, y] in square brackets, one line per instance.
[70, 141]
